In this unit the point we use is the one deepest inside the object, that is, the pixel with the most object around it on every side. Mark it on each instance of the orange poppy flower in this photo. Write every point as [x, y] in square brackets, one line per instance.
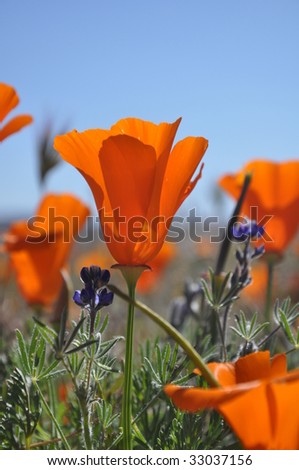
[8, 101]
[39, 248]
[138, 181]
[259, 400]
[271, 199]
[254, 293]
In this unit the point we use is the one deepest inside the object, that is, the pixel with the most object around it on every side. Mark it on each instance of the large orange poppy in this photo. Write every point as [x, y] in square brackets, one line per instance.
[8, 101]
[272, 199]
[138, 181]
[258, 398]
[39, 248]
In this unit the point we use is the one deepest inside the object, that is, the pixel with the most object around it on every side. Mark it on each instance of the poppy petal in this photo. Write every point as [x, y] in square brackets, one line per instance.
[15, 125]
[8, 100]
[224, 372]
[38, 264]
[283, 398]
[195, 399]
[271, 199]
[160, 136]
[128, 168]
[81, 149]
[183, 161]
[249, 416]
[254, 366]
[278, 365]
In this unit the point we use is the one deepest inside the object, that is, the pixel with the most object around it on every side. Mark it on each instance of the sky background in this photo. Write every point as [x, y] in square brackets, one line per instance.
[229, 68]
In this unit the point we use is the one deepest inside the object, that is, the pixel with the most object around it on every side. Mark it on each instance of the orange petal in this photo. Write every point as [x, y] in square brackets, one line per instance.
[281, 229]
[278, 365]
[283, 399]
[81, 149]
[224, 372]
[254, 366]
[38, 273]
[8, 100]
[230, 185]
[128, 168]
[275, 183]
[38, 265]
[182, 163]
[160, 136]
[249, 415]
[15, 125]
[194, 398]
[273, 193]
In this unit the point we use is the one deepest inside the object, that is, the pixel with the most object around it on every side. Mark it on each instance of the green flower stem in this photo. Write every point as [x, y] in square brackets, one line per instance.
[175, 334]
[54, 420]
[128, 372]
[131, 274]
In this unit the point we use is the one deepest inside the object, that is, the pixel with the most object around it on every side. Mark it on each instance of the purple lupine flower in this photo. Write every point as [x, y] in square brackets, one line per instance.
[94, 295]
[249, 230]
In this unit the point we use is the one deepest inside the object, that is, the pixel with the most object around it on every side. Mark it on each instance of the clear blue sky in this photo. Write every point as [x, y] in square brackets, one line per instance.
[230, 68]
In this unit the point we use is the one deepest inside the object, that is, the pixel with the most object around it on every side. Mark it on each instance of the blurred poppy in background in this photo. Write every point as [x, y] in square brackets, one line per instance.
[8, 101]
[272, 199]
[138, 181]
[149, 279]
[39, 248]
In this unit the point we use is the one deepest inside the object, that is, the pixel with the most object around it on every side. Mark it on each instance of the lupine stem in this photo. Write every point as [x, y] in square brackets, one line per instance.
[85, 423]
[224, 249]
[83, 408]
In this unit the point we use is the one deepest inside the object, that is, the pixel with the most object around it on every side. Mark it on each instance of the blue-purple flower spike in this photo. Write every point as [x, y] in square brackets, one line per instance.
[94, 295]
[249, 230]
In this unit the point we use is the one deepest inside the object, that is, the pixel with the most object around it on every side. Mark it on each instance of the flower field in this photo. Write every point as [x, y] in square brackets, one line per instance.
[127, 326]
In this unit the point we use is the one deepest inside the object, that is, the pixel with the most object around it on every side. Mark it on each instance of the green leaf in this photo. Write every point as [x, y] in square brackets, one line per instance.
[48, 371]
[107, 345]
[221, 287]
[41, 356]
[104, 324]
[82, 346]
[33, 345]
[259, 329]
[156, 377]
[207, 292]
[62, 330]
[54, 374]
[22, 352]
[46, 332]
[73, 334]
[286, 327]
